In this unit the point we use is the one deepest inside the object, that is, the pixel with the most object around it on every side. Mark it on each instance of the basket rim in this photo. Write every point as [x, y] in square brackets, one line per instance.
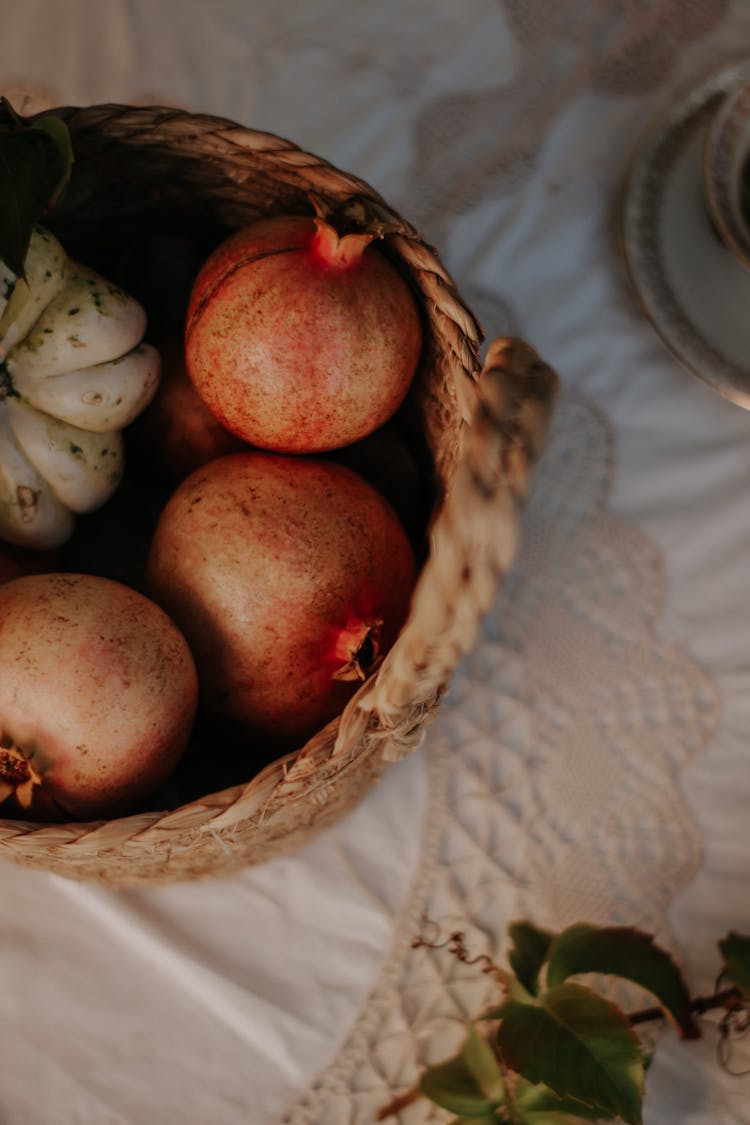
[255, 796]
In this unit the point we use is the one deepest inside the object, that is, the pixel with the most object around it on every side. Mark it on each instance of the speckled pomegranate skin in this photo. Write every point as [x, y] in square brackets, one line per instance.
[97, 687]
[292, 352]
[268, 564]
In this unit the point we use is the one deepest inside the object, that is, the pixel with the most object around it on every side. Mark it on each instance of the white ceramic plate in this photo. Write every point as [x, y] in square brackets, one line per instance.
[693, 289]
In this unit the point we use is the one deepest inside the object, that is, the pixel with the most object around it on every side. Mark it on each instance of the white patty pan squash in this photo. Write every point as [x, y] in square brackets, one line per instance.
[73, 372]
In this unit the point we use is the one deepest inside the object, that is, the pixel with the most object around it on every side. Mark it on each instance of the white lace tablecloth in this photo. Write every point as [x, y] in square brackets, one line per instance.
[592, 759]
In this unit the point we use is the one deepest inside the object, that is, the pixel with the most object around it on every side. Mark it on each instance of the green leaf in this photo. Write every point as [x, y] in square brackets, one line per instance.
[556, 1117]
[484, 1065]
[9, 119]
[528, 953]
[61, 157]
[491, 1120]
[35, 162]
[579, 1045]
[470, 1084]
[735, 949]
[23, 164]
[628, 953]
[538, 1105]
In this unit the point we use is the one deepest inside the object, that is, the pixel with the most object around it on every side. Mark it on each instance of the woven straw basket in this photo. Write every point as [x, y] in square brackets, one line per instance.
[144, 168]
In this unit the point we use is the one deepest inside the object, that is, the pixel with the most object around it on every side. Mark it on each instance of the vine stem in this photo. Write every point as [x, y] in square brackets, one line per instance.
[729, 998]
[726, 998]
[400, 1102]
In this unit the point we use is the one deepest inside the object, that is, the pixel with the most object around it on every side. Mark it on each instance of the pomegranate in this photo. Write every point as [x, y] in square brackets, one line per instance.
[177, 432]
[300, 340]
[290, 578]
[98, 693]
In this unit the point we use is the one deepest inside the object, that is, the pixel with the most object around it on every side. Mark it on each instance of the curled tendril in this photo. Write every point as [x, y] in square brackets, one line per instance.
[455, 943]
[733, 1026]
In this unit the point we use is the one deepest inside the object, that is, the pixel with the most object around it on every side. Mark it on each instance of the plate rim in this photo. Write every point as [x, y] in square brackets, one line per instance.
[656, 152]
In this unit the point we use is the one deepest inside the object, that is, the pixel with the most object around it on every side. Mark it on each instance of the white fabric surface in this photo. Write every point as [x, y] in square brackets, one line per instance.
[503, 131]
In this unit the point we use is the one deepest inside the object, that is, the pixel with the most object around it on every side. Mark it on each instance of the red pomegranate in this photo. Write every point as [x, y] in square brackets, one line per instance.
[290, 577]
[300, 340]
[177, 433]
[98, 693]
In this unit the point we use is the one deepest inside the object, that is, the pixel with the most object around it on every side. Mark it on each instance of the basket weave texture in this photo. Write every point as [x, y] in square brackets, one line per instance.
[155, 168]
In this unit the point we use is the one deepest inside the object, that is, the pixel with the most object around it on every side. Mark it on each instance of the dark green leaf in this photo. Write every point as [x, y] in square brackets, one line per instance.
[452, 1086]
[538, 1105]
[628, 953]
[23, 166]
[9, 119]
[60, 153]
[579, 1045]
[735, 949]
[558, 1117]
[492, 1119]
[470, 1084]
[35, 161]
[528, 953]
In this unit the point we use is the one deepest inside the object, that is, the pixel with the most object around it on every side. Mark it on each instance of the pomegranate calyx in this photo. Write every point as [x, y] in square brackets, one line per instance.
[342, 251]
[361, 650]
[18, 778]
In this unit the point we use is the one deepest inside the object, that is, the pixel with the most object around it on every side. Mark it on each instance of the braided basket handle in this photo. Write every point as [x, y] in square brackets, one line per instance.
[473, 545]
